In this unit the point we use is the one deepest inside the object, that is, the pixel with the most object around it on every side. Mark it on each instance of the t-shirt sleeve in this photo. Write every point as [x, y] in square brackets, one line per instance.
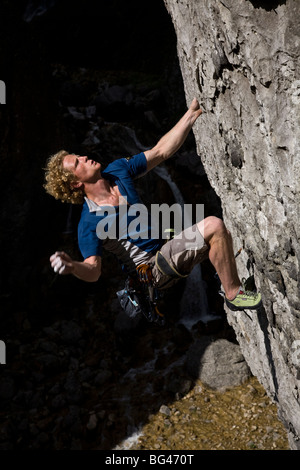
[134, 167]
[88, 241]
[137, 165]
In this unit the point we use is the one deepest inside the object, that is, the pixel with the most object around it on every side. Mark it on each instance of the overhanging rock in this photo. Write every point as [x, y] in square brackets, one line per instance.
[240, 58]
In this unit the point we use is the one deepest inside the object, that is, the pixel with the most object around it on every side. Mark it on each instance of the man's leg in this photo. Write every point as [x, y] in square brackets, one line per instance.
[222, 257]
[187, 249]
[221, 254]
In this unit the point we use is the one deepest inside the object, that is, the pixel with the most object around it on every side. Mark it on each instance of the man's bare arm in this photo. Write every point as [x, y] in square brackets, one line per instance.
[173, 140]
[88, 270]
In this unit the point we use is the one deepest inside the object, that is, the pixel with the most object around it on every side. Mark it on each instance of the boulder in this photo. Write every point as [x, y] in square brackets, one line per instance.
[219, 364]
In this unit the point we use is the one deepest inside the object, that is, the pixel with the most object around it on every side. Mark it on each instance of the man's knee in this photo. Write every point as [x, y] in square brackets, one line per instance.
[216, 224]
[212, 227]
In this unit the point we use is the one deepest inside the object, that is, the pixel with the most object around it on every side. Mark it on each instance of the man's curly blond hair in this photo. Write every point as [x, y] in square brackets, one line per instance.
[59, 181]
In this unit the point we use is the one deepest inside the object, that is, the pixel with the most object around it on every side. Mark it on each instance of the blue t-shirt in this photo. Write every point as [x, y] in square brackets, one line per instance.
[124, 230]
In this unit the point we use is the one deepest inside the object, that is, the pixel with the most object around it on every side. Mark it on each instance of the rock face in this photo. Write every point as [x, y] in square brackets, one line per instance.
[241, 60]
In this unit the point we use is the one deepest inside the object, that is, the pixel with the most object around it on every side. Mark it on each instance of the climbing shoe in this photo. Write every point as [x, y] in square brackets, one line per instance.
[244, 300]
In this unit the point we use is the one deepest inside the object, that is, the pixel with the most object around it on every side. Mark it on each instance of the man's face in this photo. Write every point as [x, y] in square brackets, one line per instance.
[85, 170]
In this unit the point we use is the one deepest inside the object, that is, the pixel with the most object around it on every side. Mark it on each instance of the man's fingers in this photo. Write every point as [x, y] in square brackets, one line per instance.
[54, 260]
[56, 254]
[60, 262]
[62, 269]
[57, 264]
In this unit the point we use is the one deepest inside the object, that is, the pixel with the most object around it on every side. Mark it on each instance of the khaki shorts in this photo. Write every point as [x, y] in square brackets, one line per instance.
[183, 252]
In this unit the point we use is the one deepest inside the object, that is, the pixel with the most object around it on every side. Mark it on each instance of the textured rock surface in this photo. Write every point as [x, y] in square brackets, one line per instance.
[218, 363]
[241, 59]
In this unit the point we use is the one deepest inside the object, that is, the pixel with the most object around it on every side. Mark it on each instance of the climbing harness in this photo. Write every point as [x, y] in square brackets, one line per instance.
[144, 272]
[140, 298]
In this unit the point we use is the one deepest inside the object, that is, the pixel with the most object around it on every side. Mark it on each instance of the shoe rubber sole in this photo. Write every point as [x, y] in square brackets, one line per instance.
[235, 308]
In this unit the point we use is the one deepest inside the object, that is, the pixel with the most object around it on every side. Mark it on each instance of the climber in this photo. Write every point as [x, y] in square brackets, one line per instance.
[78, 179]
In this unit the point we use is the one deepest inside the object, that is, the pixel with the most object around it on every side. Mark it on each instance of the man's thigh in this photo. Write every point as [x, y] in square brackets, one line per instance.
[183, 252]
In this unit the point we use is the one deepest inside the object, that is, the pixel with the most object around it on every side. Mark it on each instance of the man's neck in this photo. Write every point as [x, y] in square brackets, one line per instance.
[98, 191]
[103, 193]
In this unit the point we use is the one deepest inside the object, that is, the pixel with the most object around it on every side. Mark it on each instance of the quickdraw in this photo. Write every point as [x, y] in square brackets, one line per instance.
[139, 295]
[140, 298]
[144, 272]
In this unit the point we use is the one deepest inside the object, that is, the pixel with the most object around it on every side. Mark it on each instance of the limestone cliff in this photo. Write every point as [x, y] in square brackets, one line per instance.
[240, 58]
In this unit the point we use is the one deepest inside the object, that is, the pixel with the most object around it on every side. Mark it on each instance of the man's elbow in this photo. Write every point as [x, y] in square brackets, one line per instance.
[95, 274]
[161, 152]
[155, 156]
[92, 269]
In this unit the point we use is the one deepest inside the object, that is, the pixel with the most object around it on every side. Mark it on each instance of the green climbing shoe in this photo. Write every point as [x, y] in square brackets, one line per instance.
[245, 300]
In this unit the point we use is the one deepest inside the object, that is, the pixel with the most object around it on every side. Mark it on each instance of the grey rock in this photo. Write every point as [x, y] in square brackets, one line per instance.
[295, 356]
[241, 60]
[165, 410]
[218, 364]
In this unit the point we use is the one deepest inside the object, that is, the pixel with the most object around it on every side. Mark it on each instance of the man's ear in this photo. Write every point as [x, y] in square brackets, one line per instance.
[76, 184]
